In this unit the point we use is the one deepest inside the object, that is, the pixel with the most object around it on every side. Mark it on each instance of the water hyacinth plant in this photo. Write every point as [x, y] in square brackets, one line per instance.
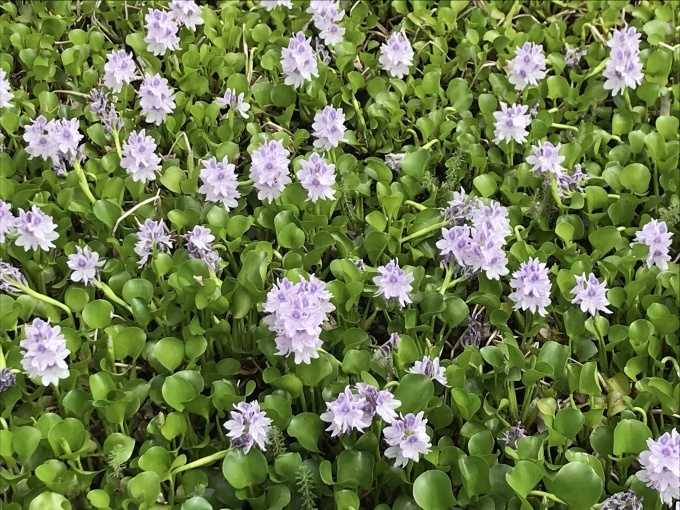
[315, 254]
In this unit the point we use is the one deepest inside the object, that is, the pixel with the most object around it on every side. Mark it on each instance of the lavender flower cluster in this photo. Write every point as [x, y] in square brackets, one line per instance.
[57, 139]
[198, 242]
[33, 228]
[479, 246]
[546, 162]
[356, 411]
[656, 236]
[624, 67]
[394, 284]
[326, 14]
[218, 182]
[528, 66]
[296, 313]
[430, 368]
[248, 426]
[44, 352]
[661, 466]
[151, 238]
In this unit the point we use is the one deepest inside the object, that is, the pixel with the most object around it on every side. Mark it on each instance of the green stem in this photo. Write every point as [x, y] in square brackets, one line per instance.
[246, 183]
[597, 70]
[511, 153]
[430, 143]
[511, 13]
[42, 297]
[626, 96]
[416, 205]
[447, 278]
[547, 495]
[116, 140]
[111, 295]
[564, 126]
[556, 193]
[205, 461]
[425, 230]
[642, 412]
[600, 339]
[82, 180]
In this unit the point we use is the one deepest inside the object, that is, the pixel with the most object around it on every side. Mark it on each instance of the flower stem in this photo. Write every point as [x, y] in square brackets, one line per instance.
[205, 461]
[82, 180]
[447, 278]
[564, 126]
[42, 297]
[116, 139]
[547, 495]
[416, 205]
[111, 295]
[425, 230]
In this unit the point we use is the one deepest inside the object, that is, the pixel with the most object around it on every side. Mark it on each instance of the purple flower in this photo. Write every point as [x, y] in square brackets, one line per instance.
[44, 352]
[492, 218]
[157, 99]
[380, 402]
[36, 230]
[546, 159]
[248, 426]
[394, 283]
[298, 61]
[296, 313]
[317, 176]
[7, 221]
[187, 13]
[531, 287]
[7, 379]
[573, 56]
[84, 265]
[232, 100]
[622, 501]
[161, 32]
[119, 69]
[511, 123]
[396, 56]
[407, 438]
[393, 161]
[219, 182]
[64, 135]
[6, 95]
[325, 16]
[139, 157]
[623, 68]
[40, 145]
[329, 128]
[590, 294]
[150, 237]
[198, 242]
[661, 466]
[10, 276]
[656, 236]
[430, 368]
[512, 436]
[321, 51]
[393, 340]
[346, 413]
[270, 5]
[269, 170]
[528, 66]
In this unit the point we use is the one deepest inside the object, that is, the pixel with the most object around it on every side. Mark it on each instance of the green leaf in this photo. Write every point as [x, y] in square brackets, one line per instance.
[414, 391]
[307, 428]
[97, 314]
[635, 177]
[432, 491]
[485, 184]
[630, 436]
[243, 470]
[355, 469]
[524, 477]
[605, 239]
[475, 473]
[578, 484]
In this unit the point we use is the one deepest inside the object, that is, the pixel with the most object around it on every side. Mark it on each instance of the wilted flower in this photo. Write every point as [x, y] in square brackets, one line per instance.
[248, 426]
[394, 283]
[317, 176]
[591, 294]
[396, 56]
[528, 66]
[297, 312]
[84, 265]
[9, 276]
[473, 333]
[139, 157]
[7, 221]
[269, 170]
[512, 436]
[157, 99]
[459, 208]
[573, 56]
[329, 128]
[198, 243]
[270, 5]
[531, 287]
[546, 158]
[430, 368]
[393, 340]
[380, 402]
[187, 13]
[298, 60]
[321, 51]
[346, 413]
[231, 100]
[393, 161]
[106, 111]
[119, 69]
[661, 466]
[656, 236]
[161, 32]
[511, 123]
[622, 501]
[151, 236]
[36, 230]
[624, 67]
[6, 95]
[219, 182]
[7, 379]
[44, 352]
[407, 438]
